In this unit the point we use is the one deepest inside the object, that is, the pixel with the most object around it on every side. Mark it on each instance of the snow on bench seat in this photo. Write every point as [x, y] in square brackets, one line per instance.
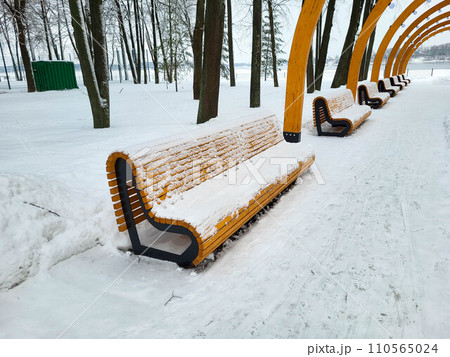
[384, 85]
[340, 110]
[368, 94]
[205, 187]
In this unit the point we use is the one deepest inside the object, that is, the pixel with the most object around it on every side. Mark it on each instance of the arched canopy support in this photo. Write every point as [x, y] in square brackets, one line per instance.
[298, 58]
[361, 43]
[388, 37]
[420, 41]
[404, 35]
[413, 37]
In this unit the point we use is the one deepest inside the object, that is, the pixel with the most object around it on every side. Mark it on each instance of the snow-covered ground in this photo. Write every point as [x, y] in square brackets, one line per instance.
[357, 249]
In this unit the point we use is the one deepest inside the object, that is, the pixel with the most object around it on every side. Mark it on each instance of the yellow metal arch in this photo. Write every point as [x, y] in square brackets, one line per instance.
[361, 43]
[423, 38]
[417, 33]
[388, 37]
[404, 35]
[298, 58]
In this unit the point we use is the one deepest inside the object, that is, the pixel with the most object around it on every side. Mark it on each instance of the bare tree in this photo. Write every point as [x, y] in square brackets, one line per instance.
[93, 62]
[340, 77]
[17, 9]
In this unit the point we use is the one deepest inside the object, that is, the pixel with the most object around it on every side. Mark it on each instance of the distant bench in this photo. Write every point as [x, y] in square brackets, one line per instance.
[396, 82]
[340, 110]
[368, 94]
[384, 85]
[200, 187]
[402, 76]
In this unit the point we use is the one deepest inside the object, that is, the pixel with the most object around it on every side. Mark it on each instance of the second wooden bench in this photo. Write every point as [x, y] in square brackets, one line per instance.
[338, 109]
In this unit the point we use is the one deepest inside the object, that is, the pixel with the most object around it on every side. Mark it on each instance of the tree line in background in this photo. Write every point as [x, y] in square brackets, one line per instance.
[166, 38]
[147, 40]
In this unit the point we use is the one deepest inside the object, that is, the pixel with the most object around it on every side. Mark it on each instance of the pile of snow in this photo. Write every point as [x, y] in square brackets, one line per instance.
[43, 222]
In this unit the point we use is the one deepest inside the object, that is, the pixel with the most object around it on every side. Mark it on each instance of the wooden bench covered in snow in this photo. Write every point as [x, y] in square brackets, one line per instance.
[395, 82]
[405, 79]
[339, 110]
[205, 186]
[401, 80]
[384, 85]
[368, 94]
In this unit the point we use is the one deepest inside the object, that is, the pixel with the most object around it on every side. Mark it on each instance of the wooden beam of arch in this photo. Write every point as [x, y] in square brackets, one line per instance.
[416, 34]
[361, 43]
[425, 37]
[388, 37]
[298, 58]
[404, 35]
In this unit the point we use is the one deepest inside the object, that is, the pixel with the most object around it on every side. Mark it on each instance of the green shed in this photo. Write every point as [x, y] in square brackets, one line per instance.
[54, 75]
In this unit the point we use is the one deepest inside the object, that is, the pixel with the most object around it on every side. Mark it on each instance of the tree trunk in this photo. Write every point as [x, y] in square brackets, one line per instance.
[69, 32]
[47, 39]
[18, 12]
[11, 53]
[97, 87]
[155, 45]
[138, 41]
[367, 9]
[125, 42]
[322, 55]
[163, 50]
[340, 77]
[255, 80]
[230, 44]
[310, 85]
[209, 91]
[197, 47]
[61, 49]
[124, 62]
[272, 37]
[369, 55]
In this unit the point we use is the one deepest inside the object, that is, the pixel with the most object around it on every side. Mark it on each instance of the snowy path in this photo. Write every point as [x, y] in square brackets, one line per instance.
[366, 255]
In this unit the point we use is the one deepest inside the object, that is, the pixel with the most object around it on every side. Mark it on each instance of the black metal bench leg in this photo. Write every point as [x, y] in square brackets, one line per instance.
[184, 259]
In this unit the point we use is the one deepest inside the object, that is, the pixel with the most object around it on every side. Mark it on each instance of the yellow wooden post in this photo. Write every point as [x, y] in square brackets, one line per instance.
[409, 29]
[417, 33]
[298, 58]
[388, 37]
[361, 43]
[420, 40]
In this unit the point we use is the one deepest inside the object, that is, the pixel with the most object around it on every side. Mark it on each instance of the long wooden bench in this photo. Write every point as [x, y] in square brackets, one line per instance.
[202, 187]
[384, 85]
[395, 82]
[340, 111]
[368, 94]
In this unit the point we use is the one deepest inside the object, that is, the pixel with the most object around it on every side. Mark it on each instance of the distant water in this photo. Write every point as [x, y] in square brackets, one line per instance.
[428, 65]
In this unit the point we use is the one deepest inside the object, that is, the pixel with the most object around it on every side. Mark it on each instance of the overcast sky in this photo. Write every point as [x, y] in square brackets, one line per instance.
[242, 19]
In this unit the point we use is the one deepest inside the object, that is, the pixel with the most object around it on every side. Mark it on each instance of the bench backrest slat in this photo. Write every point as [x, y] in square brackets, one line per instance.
[168, 169]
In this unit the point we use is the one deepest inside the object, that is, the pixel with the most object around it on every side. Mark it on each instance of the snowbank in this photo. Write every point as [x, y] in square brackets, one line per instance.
[43, 222]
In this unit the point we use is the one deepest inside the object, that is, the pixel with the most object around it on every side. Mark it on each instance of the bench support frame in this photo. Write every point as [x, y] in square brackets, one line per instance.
[319, 105]
[363, 98]
[184, 259]
[382, 88]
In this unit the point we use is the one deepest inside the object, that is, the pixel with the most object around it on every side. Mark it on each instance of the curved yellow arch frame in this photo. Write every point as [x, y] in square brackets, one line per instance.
[361, 43]
[298, 58]
[388, 37]
[423, 38]
[416, 34]
[409, 29]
